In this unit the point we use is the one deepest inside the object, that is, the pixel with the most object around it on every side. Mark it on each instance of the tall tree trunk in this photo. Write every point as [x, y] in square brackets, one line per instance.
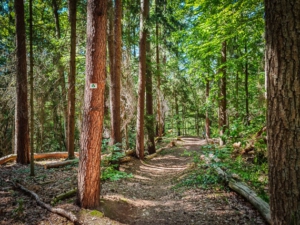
[31, 92]
[207, 122]
[71, 79]
[115, 79]
[283, 117]
[92, 127]
[60, 70]
[158, 74]
[142, 78]
[222, 101]
[22, 144]
[246, 88]
[237, 91]
[149, 98]
[111, 57]
[177, 114]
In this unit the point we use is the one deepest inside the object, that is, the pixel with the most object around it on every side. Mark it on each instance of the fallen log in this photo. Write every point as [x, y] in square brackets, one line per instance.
[150, 156]
[63, 196]
[8, 158]
[59, 164]
[69, 215]
[155, 154]
[48, 155]
[129, 152]
[53, 155]
[248, 193]
[125, 159]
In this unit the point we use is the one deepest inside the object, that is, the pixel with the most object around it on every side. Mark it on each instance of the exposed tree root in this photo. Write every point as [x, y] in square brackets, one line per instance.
[70, 216]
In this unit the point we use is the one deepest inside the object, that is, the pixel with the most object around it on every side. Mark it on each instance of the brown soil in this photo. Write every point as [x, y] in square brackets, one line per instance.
[148, 198]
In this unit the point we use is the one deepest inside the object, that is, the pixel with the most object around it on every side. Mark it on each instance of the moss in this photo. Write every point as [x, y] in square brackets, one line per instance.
[96, 213]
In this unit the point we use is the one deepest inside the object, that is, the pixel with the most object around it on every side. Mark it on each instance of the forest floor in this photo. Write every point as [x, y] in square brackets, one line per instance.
[152, 196]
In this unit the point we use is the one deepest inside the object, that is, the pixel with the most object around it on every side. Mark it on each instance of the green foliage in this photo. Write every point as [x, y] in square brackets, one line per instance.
[111, 173]
[19, 210]
[204, 177]
[252, 173]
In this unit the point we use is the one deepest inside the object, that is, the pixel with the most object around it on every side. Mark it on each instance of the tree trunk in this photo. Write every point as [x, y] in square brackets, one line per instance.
[283, 117]
[115, 79]
[60, 70]
[31, 92]
[177, 114]
[22, 144]
[91, 136]
[237, 92]
[222, 101]
[142, 77]
[71, 79]
[207, 123]
[149, 97]
[246, 89]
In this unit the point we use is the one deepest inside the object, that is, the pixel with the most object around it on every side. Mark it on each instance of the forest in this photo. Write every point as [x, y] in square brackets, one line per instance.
[150, 112]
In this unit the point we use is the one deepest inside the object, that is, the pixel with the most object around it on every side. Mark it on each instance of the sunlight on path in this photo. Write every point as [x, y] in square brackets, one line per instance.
[149, 198]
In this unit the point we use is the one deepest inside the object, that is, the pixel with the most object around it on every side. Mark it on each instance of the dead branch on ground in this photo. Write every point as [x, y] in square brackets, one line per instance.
[69, 215]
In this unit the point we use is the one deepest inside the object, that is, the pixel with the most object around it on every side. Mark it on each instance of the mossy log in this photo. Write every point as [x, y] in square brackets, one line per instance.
[248, 193]
[63, 196]
[69, 215]
[125, 159]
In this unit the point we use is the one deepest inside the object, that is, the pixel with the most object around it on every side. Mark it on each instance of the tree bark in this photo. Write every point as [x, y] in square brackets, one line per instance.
[141, 85]
[207, 122]
[246, 89]
[91, 136]
[115, 79]
[149, 97]
[61, 77]
[177, 114]
[31, 91]
[159, 128]
[283, 116]
[22, 144]
[222, 101]
[72, 80]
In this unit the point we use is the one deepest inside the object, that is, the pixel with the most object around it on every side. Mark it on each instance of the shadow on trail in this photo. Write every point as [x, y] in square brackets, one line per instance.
[150, 197]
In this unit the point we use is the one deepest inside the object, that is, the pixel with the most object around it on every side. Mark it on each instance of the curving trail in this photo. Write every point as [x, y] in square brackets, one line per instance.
[149, 197]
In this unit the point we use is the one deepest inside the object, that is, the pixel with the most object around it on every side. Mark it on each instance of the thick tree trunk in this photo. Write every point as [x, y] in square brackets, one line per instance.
[71, 79]
[22, 144]
[222, 101]
[31, 91]
[142, 78]
[91, 136]
[149, 98]
[283, 117]
[115, 80]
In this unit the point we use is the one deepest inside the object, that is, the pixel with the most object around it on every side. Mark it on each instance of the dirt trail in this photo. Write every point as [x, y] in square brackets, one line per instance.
[149, 197]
